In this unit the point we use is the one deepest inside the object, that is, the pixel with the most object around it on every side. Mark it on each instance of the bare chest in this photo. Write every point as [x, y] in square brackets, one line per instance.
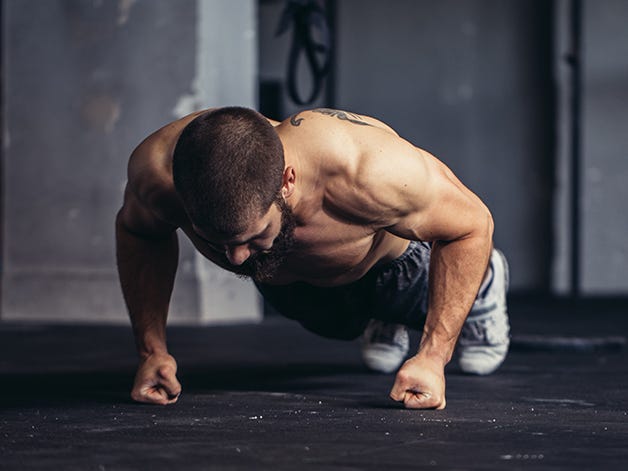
[326, 252]
[330, 252]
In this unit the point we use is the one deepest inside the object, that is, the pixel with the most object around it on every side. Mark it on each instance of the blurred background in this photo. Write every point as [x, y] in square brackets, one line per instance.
[526, 101]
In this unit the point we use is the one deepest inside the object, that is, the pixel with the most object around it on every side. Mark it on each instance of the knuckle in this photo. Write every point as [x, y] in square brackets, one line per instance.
[402, 377]
[137, 396]
[166, 370]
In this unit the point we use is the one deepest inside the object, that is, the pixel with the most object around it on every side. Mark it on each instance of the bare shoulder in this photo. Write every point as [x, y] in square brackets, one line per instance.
[373, 176]
[397, 186]
[339, 138]
[150, 187]
[151, 161]
[327, 117]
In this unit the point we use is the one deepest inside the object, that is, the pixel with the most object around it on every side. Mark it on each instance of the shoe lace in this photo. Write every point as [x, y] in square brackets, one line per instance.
[476, 332]
[386, 334]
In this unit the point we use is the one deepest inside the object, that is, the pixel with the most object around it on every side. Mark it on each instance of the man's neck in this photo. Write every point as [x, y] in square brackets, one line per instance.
[293, 158]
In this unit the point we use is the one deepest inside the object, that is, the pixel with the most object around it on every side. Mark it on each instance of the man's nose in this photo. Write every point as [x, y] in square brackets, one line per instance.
[238, 254]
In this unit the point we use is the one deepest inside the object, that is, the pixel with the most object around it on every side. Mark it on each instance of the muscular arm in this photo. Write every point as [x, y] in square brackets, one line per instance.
[147, 265]
[147, 253]
[436, 207]
[147, 256]
[408, 192]
[456, 270]
[460, 228]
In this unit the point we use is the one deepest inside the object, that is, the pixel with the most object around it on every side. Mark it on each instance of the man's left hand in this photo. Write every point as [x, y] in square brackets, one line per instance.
[420, 384]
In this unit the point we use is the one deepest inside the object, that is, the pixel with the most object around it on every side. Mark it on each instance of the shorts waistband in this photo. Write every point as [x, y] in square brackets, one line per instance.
[413, 246]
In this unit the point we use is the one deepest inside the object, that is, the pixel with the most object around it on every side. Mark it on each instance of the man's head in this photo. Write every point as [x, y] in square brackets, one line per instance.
[227, 167]
[261, 250]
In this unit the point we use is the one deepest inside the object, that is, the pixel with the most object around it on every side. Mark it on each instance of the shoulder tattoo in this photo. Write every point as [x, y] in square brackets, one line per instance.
[296, 121]
[341, 115]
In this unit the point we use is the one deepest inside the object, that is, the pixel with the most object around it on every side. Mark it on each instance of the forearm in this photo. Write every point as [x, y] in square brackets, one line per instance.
[457, 270]
[147, 269]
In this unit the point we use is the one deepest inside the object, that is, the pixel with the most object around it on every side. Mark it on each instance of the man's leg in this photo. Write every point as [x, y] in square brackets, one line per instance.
[400, 301]
[401, 292]
[485, 339]
[384, 346]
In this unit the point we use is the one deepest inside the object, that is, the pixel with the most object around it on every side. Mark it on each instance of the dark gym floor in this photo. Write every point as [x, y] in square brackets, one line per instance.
[273, 396]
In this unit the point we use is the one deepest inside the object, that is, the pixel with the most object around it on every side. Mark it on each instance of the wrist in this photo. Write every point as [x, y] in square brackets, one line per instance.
[438, 353]
[150, 344]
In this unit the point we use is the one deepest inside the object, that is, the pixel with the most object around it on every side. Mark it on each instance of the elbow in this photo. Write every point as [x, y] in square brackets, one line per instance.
[120, 219]
[490, 224]
[122, 226]
[485, 230]
[483, 227]
[121, 229]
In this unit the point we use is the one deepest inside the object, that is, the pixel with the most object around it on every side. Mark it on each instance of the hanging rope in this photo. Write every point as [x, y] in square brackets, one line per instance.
[305, 16]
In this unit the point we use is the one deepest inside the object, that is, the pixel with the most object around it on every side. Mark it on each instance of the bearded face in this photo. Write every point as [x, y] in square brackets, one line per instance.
[263, 266]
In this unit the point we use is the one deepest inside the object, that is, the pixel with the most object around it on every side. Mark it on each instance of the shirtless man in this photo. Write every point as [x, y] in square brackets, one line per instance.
[337, 219]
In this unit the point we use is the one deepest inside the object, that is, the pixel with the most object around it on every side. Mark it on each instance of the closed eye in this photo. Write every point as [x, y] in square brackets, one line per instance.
[215, 248]
[256, 241]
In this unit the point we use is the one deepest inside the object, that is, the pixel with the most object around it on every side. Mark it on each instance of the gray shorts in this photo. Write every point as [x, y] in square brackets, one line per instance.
[395, 292]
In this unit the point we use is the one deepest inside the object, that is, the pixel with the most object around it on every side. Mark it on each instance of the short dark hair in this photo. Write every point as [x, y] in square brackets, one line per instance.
[227, 168]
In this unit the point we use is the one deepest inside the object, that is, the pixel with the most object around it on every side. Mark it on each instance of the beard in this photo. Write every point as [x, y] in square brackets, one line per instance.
[263, 266]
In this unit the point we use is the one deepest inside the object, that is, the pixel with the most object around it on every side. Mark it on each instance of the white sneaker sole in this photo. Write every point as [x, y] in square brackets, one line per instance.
[382, 358]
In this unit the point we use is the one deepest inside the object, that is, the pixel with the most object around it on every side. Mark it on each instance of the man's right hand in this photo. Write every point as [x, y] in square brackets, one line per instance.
[156, 380]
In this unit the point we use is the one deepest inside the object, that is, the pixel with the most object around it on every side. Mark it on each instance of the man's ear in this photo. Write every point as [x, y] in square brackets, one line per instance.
[289, 179]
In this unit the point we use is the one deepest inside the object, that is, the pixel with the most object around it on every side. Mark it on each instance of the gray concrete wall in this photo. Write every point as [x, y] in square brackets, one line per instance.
[467, 80]
[84, 82]
[470, 81]
[604, 249]
[484, 84]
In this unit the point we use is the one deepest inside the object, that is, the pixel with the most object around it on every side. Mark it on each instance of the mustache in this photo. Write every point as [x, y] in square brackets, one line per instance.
[263, 266]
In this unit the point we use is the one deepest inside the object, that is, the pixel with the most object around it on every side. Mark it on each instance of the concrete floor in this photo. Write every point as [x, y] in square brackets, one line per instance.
[276, 397]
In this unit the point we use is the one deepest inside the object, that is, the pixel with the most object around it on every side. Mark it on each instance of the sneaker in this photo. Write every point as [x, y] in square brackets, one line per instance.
[384, 346]
[484, 339]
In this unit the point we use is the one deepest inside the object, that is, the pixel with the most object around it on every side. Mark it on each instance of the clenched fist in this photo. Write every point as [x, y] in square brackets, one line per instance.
[420, 384]
[156, 380]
